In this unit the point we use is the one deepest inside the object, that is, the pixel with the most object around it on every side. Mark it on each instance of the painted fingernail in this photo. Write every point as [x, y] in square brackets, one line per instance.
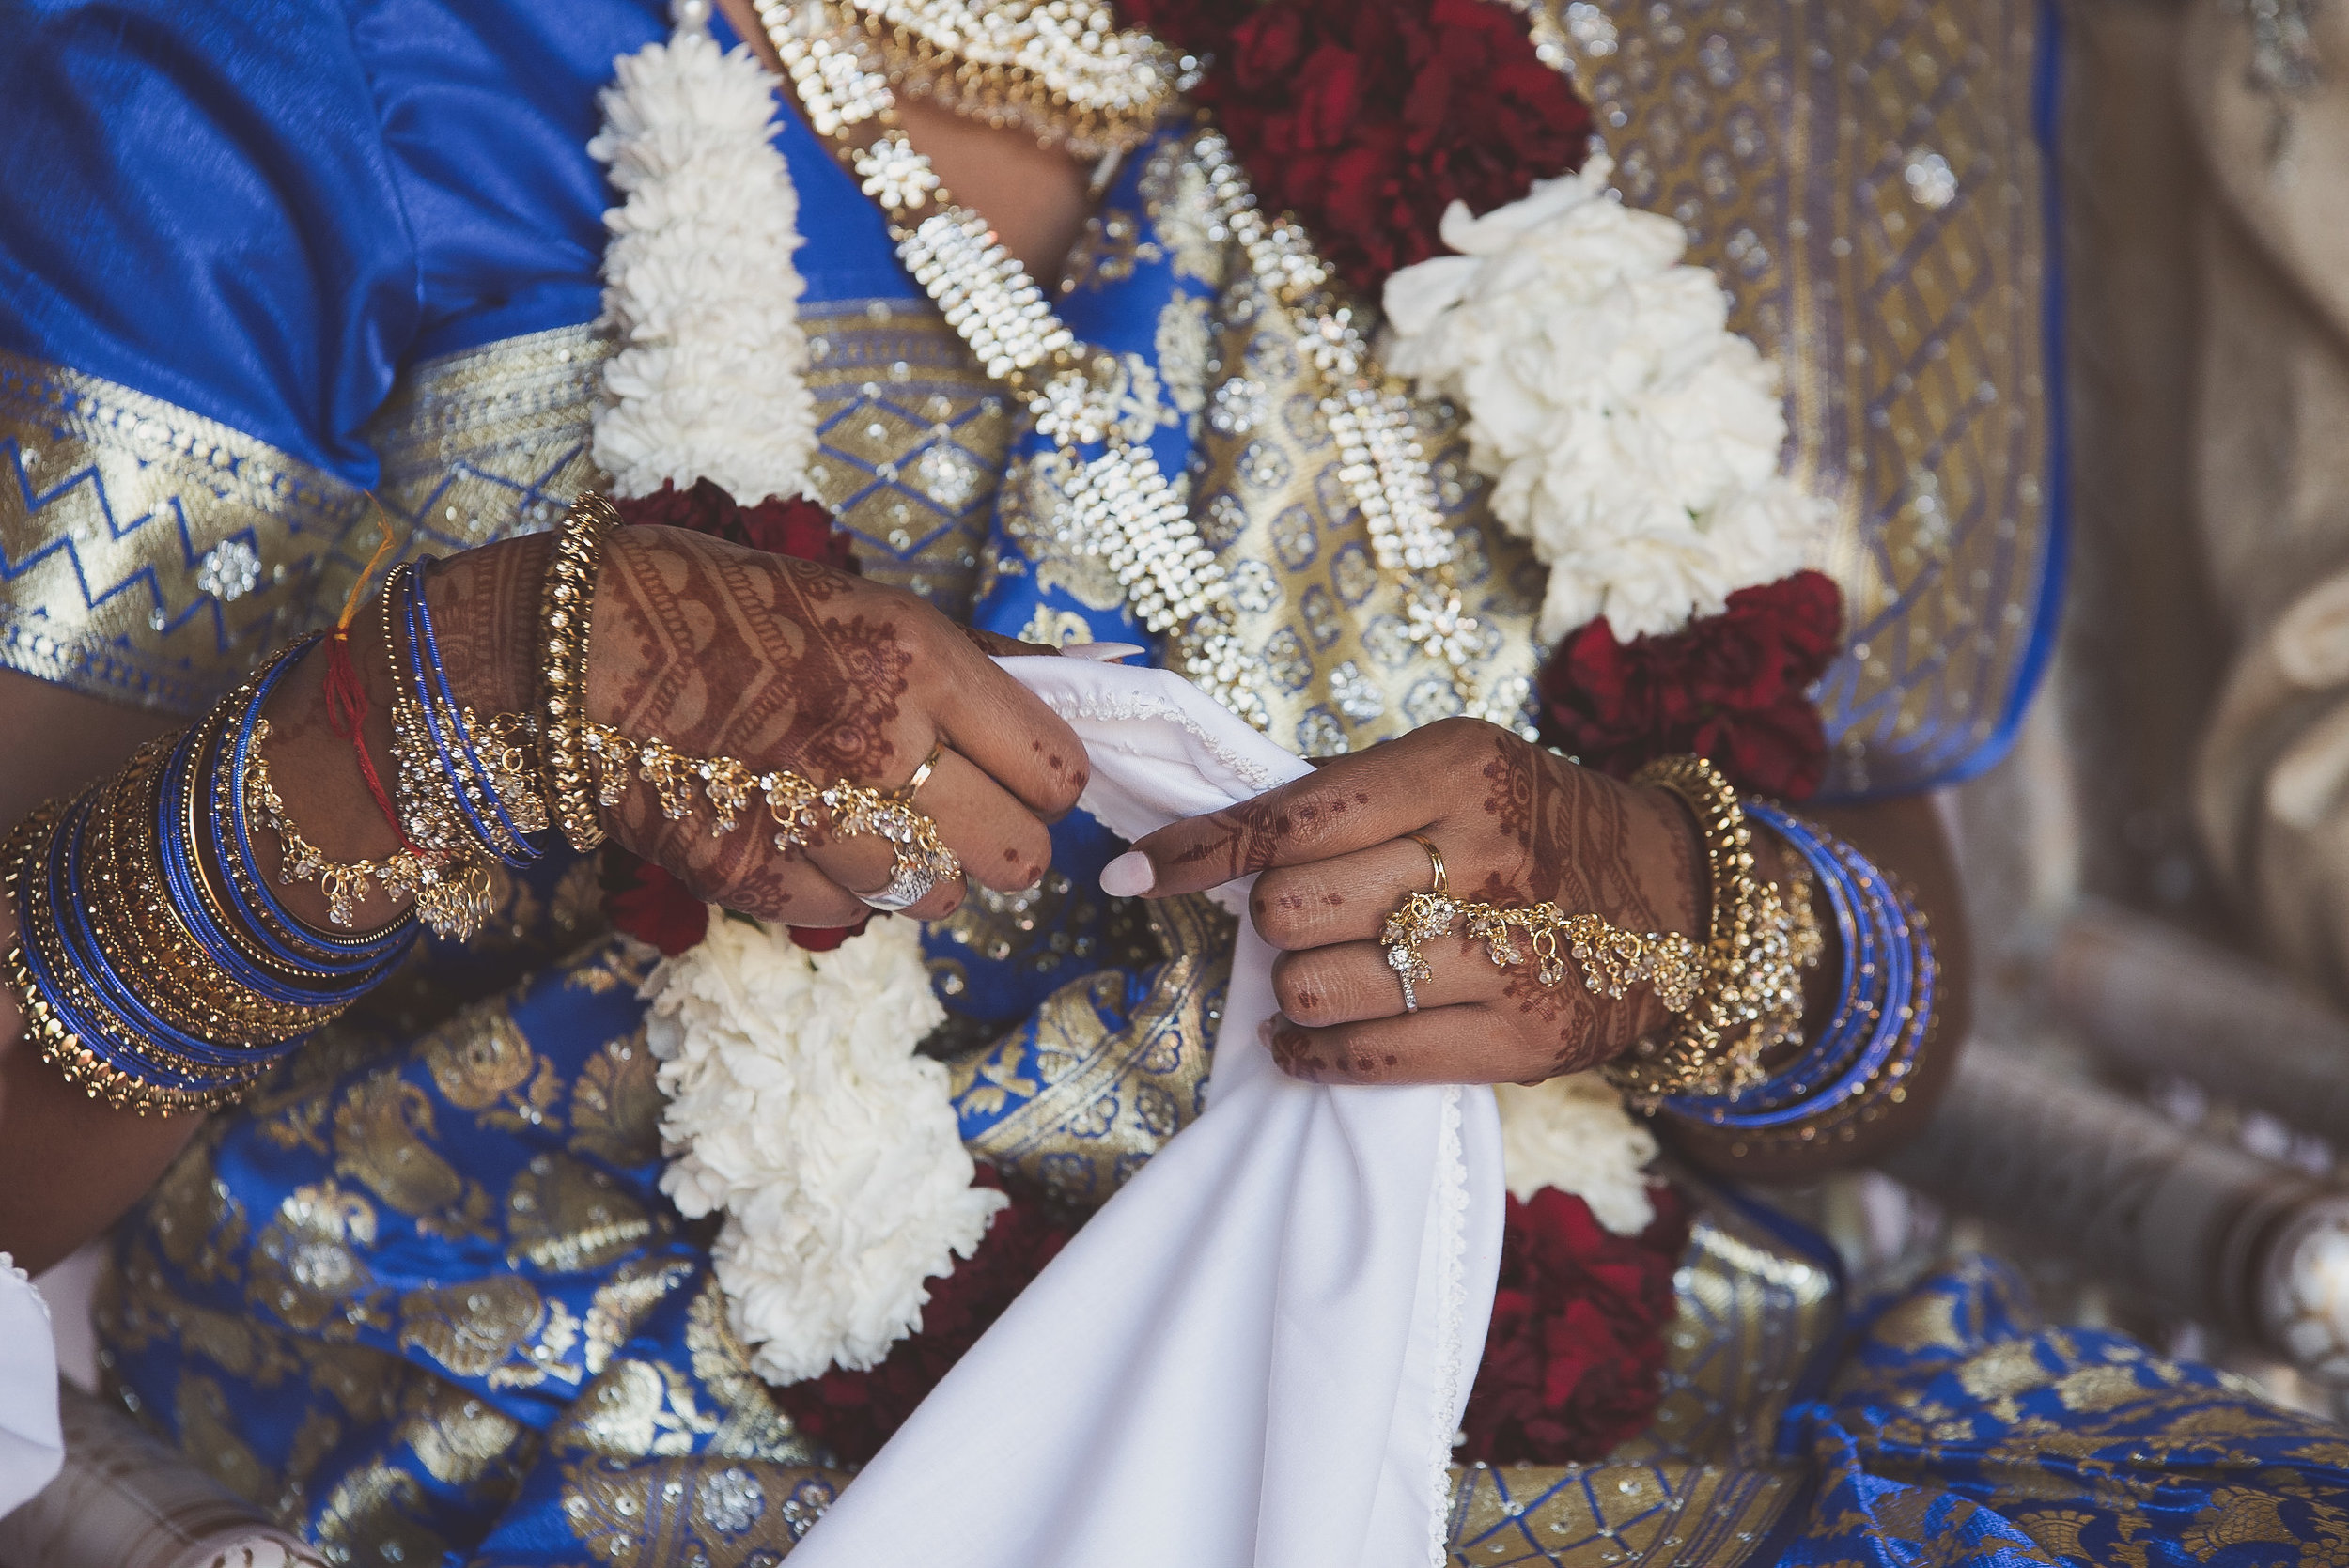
[1102, 653]
[1129, 876]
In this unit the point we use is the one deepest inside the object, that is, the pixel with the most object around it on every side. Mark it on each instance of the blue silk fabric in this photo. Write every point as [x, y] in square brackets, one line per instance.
[422, 1297]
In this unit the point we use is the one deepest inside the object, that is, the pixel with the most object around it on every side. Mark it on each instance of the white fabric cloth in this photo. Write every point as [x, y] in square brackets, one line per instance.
[31, 1445]
[1257, 1353]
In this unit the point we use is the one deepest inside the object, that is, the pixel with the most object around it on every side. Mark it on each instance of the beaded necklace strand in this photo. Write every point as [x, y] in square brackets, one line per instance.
[1121, 506]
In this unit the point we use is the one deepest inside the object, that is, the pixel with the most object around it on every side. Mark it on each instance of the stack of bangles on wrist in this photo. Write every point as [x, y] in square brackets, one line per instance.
[156, 968]
[1737, 994]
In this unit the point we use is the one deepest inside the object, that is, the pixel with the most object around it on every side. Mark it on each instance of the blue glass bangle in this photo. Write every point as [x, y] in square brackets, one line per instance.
[111, 1038]
[180, 876]
[1857, 1038]
[441, 707]
[69, 911]
[1869, 1020]
[357, 963]
[70, 921]
[369, 955]
[1877, 1000]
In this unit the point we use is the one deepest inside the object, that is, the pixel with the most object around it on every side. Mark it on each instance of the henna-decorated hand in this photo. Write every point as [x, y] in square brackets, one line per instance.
[1515, 824]
[725, 651]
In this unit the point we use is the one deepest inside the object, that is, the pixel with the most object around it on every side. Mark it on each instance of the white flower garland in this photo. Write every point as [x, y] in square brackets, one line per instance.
[710, 380]
[797, 1106]
[800, 1109]
[1630, 435]
[1573, 1133]
[1632, 438]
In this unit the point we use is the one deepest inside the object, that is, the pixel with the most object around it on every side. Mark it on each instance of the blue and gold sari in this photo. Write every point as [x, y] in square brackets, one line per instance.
[422, 1298]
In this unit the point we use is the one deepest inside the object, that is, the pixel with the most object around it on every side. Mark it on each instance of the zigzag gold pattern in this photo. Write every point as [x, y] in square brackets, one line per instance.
[148, 555]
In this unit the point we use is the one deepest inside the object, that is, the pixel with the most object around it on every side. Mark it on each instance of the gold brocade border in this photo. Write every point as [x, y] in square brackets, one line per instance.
[1665, 1513]
[1091, 1103]
[482, 444]
[913, 435]
[1752, 1319]
[148, 555]
[1865, 178]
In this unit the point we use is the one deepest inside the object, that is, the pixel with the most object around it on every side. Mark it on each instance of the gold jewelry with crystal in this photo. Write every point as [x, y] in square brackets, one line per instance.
[1751, 999]
[922, 774]
[345, 883]
[1420, 919]
[567, 614]
[1612, 959]
[802, 812]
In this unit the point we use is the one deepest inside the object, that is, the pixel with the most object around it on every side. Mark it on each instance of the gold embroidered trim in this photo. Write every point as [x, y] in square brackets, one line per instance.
[148, 555]
[484, 443]
[912, 440]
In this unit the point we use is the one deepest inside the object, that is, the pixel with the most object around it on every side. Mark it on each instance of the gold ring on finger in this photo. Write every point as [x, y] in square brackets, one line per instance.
[922, 774]
[1435, 859]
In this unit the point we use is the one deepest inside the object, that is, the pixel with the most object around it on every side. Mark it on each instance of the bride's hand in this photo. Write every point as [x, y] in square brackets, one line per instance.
[725, 651]
[1515, 826]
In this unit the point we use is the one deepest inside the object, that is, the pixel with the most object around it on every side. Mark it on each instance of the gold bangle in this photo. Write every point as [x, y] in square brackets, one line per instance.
[1751, 998]
[59, 1046]
[1434, 860]
[567, 621]
[129, 909]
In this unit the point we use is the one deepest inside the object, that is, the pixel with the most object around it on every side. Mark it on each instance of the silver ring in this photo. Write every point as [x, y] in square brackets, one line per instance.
[1405, 961]
[909, 882]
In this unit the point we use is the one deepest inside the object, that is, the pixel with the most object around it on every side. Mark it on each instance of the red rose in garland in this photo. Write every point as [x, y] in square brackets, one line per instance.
[798, 528]
[1575, 1359]
[1732, 687]
[1366, 119]
[639, 898]
[854, 1413]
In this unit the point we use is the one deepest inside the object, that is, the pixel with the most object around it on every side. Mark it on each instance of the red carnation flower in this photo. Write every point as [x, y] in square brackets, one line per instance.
[1368, 117]
[1574, 1362]
[645, 901]
[798, 528]
[1732, 687]
[854, 1413]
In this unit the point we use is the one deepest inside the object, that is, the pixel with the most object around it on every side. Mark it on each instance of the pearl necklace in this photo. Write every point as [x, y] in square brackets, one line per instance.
[1121, 506]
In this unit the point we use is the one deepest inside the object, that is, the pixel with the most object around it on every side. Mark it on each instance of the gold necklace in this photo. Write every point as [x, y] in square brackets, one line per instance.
[1059, 69]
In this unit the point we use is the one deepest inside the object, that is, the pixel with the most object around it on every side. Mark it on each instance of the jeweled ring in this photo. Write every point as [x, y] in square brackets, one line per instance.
[1435, 859]
[1419, 919]
[922, 774]
[909, 882]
